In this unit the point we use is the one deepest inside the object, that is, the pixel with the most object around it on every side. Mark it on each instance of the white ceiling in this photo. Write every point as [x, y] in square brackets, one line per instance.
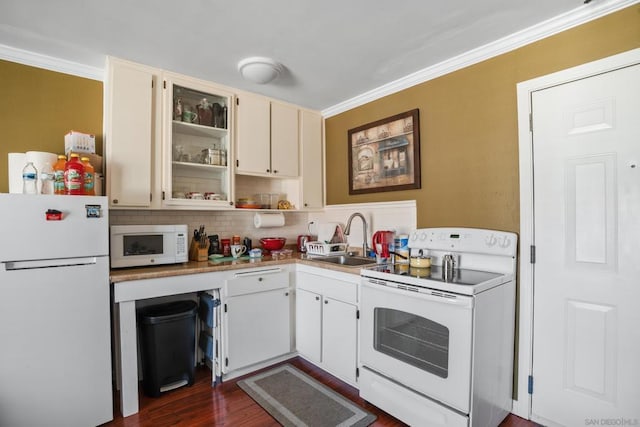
[333, 50]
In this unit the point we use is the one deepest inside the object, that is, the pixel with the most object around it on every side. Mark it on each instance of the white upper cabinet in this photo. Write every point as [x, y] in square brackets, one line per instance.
[176, 142]
[196, 143]
[284, 140]
[311, 144]
[267, 137]
[253, 139]
[132, 131]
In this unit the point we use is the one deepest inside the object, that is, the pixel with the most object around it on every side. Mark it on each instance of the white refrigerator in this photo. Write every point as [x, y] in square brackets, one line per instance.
[55, 345]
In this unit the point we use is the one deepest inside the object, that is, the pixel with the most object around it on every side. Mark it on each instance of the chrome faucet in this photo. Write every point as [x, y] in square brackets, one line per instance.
[347, 230]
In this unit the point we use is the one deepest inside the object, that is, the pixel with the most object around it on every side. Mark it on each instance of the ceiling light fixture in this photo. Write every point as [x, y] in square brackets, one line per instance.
[259, 69]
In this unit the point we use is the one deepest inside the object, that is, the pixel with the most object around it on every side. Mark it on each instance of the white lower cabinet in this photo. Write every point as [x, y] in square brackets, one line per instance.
[339, 338]
[326, 322]
[256, 318]
[309, 324]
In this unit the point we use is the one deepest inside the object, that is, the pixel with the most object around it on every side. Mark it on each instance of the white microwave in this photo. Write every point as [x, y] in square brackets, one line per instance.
[142, 245]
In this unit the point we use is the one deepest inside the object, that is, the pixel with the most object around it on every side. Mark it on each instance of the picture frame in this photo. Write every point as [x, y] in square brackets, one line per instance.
[385, 155]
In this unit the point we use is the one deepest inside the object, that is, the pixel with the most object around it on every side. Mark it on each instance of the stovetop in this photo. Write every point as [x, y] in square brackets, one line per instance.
[483, 259]
[464, 281]
[460, 277]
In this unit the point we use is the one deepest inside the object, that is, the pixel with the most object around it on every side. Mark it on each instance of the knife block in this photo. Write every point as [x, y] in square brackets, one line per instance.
[197, 253]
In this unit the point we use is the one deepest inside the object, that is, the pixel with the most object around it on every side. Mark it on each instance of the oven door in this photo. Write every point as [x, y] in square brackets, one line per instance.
[419, 340]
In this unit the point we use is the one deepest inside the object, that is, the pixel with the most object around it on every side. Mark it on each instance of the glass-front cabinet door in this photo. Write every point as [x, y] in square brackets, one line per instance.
[197, 144]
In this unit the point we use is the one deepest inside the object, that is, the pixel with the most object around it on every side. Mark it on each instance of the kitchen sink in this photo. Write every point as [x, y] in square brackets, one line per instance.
[350, 261]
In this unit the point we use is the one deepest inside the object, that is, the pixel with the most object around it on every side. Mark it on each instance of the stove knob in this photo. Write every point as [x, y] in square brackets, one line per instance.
[491, 240]
[423, 237]
[506, 242]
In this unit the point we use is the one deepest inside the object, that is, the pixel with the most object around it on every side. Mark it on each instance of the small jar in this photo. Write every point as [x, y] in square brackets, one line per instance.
[226, 247]
[255, 253]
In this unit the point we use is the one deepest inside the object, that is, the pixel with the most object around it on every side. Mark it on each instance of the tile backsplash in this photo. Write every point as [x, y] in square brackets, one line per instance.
[397, 216]
[223, 223]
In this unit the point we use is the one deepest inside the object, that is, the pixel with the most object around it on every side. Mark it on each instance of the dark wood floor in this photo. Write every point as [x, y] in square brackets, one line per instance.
[228, 405]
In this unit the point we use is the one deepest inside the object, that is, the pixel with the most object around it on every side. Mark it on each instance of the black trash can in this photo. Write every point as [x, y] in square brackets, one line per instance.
[167, 344]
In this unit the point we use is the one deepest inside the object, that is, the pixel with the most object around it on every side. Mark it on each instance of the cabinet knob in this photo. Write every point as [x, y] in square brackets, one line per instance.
[115, 201]
[326, 301]
[268, 170]
[259, 279]
[306, 204]
[286, 294]
[317, 298]
[275, 171]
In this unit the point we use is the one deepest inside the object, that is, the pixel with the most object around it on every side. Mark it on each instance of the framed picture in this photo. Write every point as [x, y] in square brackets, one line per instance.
[385, 155]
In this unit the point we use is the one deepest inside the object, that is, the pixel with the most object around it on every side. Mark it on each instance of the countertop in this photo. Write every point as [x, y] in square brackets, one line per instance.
[194, 267]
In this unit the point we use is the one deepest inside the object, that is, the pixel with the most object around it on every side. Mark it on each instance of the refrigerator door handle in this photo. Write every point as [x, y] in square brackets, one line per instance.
[48, 263]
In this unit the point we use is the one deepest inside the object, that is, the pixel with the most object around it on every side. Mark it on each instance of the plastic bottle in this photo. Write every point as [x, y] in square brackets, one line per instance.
[89, 177]
[74, 176]
[46, 179]
[29, 179]
[58, 172]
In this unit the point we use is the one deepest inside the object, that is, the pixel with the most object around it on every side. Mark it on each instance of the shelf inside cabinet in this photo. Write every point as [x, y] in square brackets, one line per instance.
[199, 166]
[198, 130]
[251, 187]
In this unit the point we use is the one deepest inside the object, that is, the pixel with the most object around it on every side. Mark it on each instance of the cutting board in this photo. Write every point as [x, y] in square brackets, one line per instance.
[326, 230]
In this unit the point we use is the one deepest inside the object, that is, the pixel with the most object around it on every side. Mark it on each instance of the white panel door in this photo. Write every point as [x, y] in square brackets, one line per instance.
[253, 144]
[586, 151]
[257, 328]
[311, 159]
[130, 134]
[284, 140]
[309, 324]
[340, 339]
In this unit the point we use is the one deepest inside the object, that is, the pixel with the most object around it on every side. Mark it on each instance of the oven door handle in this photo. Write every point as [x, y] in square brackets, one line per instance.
[434, 295]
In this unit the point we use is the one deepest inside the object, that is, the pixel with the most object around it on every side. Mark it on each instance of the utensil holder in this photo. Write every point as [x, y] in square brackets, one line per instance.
[198, 253]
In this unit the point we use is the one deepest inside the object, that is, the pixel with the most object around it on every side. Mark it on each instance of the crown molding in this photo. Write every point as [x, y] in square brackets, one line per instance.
[373, 205]
[50, 63]
[558, 24]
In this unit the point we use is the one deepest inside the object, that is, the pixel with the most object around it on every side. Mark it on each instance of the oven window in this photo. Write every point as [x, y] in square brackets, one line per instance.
[149, 244]
[412, 339]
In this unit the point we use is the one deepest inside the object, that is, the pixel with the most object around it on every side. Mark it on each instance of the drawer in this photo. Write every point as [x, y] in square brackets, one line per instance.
[328, 287]
[256, 281]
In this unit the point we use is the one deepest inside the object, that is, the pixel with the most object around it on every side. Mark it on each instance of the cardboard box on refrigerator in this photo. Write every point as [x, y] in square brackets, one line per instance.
[79, 142]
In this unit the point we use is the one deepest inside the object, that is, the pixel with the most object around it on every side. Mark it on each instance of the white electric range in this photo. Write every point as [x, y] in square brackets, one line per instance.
[437, 349]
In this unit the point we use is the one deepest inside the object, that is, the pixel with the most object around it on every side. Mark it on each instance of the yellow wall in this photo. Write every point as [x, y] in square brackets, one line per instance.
[38, 107]
[469, 132]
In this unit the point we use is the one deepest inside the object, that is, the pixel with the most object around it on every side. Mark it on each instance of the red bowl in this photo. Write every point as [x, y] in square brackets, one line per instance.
[272, 243]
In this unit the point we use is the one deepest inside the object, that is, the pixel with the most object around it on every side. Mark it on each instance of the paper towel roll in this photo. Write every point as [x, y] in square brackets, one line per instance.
[262, 220]
[16, 164]
[40, 159]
